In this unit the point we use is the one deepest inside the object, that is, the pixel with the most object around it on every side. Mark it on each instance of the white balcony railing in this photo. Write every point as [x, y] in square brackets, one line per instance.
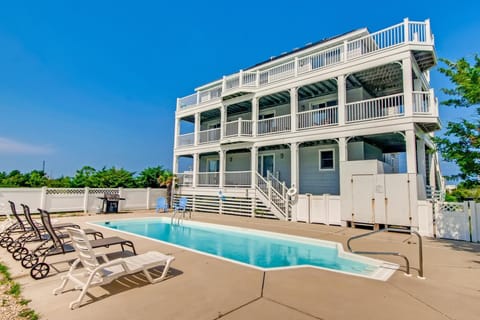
[209, 136]
[405, 32]
[184, 179]
[321, 59]
[208, 178]
[238, 128]
[383, 107]
[187, 139]
[238, 178]
[274, 125]
[422, 102]
[210, 94]
[277, 73]
[317, 118]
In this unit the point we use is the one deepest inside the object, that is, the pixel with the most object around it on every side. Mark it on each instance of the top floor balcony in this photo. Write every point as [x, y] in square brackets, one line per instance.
[317, 58]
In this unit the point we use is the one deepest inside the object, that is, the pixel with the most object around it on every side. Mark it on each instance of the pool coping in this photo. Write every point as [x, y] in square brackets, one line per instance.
[384, 269]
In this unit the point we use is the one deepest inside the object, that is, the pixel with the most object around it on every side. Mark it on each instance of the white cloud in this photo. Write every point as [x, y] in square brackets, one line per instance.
[9, 146]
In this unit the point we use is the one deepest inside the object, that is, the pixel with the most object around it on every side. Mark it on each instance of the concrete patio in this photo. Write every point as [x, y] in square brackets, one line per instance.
[203, 287]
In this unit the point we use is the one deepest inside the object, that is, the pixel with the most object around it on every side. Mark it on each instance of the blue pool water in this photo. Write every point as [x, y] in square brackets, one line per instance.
[260, 249]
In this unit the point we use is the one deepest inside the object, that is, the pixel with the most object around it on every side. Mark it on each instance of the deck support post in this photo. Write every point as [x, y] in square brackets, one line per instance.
[293, 108]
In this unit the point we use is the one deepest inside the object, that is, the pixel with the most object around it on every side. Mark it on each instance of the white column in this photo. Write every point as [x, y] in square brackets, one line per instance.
[195, 170]
[221, 169]
[433, 170]
[253, 165]
[177, 132]
[222, 121]
[293, 108]
[421, 159]
[342, 149]
[197, 128]
[254, 116]
[175, 164]
[411, 151]
[342, 98]
[407, 86]
[294, 175]
[294, 161]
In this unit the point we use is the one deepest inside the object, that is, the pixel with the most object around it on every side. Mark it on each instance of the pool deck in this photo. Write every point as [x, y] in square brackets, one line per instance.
[203, 287]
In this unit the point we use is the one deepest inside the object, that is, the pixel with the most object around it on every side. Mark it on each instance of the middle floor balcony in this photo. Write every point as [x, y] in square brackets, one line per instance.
[385, 108]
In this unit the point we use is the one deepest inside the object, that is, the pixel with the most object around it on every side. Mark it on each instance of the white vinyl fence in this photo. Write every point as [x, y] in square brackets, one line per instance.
[79, 199]
[458, 220]
[319, 209]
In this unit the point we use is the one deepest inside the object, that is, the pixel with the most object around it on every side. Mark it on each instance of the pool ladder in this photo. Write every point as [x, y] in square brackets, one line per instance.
[420, 249]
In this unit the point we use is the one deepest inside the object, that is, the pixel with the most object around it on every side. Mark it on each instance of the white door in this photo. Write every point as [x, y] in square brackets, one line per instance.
[363, 198]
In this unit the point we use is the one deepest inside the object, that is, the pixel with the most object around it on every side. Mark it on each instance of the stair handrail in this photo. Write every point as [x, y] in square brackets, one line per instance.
[420, 248]
[268, 194]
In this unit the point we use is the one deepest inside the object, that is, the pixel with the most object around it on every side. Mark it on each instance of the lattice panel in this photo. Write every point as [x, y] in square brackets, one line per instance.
[103, 191]
[452, 207]
[63, 191]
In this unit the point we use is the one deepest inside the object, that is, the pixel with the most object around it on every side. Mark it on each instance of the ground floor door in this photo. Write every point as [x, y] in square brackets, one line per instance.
[266, 163]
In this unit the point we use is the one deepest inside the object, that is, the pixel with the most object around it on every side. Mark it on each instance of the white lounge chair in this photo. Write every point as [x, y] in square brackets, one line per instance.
[97, 274]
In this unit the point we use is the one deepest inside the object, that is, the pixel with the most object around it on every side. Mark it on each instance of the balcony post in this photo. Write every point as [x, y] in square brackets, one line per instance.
[221, 169]
[428, 32]
[254, 116]
[196, 129]
[406, 30]
[294, 164]
[224, 84]
[257, 79]
[342, 99]
[177, 132]
[253, 165]
[239, 129]
[345, 51]
[195, 170]
[222, 121]
[407, 86]
[175, 164]
[293, 108]
[432, 107]
[295, 67]
[240, 79]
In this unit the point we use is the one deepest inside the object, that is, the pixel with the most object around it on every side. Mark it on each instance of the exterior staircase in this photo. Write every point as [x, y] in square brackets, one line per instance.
[273, 194]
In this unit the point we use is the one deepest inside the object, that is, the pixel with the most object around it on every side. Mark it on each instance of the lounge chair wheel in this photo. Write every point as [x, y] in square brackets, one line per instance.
[20, 253]
[29, 261]
[13, 246]
[40, 271]
[5, 242]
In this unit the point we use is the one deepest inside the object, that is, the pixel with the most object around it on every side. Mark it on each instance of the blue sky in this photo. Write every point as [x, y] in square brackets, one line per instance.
[95, 82]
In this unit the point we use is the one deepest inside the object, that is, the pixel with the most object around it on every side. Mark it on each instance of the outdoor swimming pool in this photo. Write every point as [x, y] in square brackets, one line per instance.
[261, 249]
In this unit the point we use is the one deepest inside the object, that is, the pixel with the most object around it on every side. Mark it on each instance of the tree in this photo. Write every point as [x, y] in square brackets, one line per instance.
[166, 179]
[461, 143]
[36, 178]
[113, 178]
[149, 177]
[84, 177]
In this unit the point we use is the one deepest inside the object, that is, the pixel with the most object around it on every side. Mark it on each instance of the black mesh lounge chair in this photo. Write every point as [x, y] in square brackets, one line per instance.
[58, 245]
[17, 248]
[19, 227]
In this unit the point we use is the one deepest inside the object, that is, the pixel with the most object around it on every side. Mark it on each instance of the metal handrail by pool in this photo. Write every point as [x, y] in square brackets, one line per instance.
[420, 249]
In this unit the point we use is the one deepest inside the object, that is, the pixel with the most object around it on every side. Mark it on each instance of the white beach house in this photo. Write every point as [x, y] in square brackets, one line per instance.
[336, 132]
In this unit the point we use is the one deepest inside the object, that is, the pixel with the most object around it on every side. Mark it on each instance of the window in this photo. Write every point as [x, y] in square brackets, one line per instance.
[327, 159]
